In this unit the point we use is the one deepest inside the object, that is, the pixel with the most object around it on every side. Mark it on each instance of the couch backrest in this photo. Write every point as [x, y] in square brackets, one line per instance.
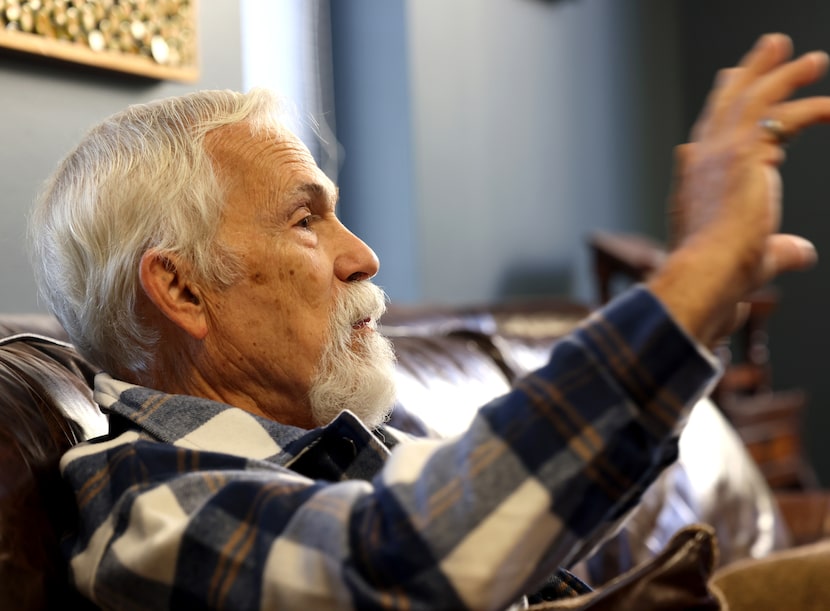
[451, 361]
[45, 406]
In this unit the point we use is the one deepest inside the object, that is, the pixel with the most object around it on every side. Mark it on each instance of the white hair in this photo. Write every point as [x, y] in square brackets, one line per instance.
[141, 179]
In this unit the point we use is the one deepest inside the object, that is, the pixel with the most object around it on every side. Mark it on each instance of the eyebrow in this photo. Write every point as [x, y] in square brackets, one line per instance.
[318, 190]
[313, 190]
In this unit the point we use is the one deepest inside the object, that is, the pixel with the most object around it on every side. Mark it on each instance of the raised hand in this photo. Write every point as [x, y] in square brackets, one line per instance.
[726, 208]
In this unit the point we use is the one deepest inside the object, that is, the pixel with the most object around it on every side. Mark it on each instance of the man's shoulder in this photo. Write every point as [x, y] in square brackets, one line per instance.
[193, 422]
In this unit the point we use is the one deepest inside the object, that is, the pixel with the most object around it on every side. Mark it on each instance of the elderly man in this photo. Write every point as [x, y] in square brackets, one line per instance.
[191, 248]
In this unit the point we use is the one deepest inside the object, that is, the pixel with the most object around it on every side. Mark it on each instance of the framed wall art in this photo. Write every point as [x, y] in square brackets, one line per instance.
[153, 38]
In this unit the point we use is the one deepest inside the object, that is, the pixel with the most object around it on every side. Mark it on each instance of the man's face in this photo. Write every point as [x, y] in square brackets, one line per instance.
[269, 331]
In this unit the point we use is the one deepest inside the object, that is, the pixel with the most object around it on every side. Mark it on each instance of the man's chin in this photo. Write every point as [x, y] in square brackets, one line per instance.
[362, 382]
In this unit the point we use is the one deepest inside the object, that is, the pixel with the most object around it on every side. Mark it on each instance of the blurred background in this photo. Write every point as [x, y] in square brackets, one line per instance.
[477, 143]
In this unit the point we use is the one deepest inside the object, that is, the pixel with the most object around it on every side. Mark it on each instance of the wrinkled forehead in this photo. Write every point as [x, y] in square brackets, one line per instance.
[265, 166]
[237, 150]
[242, 143]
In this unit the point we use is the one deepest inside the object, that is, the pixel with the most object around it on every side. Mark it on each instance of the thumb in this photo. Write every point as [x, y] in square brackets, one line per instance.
[787, 252]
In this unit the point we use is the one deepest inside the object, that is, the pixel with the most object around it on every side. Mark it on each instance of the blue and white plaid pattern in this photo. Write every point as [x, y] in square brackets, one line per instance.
[189, 503]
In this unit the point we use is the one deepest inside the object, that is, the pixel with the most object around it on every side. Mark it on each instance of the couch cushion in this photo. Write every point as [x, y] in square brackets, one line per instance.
[676, 578]
[796, 579]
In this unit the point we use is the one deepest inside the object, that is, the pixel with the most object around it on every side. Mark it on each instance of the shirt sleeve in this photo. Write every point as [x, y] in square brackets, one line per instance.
[471, 522]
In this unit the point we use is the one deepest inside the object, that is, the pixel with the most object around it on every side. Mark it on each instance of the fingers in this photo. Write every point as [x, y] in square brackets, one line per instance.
[764, 79]
[769, 51]
[785, 253]
[780, 83]
[796, 115]
[726, 204]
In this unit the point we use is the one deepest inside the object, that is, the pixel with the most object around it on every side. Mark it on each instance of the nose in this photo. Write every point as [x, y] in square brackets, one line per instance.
[355, 260]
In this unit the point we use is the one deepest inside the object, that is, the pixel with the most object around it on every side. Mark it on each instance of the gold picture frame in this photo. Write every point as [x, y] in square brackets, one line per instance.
[152, 38]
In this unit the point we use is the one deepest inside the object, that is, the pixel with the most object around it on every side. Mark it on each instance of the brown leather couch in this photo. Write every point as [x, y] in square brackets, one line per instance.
[450, 361]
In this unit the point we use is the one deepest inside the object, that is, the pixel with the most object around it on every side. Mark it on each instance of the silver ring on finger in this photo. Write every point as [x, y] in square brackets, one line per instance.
[775, 129]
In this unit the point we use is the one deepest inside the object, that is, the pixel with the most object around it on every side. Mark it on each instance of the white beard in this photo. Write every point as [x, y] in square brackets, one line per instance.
[357, 368]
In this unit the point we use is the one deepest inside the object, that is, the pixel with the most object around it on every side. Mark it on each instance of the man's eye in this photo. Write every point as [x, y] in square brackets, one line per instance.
[305, 223]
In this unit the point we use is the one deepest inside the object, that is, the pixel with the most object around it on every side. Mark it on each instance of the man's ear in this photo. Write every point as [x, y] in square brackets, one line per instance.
[169, 285]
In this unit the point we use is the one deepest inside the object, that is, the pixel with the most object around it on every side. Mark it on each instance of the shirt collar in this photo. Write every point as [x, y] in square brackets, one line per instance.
[343, 448]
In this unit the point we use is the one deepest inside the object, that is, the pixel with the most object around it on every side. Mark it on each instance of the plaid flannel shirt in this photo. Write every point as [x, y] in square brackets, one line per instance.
[189, 503]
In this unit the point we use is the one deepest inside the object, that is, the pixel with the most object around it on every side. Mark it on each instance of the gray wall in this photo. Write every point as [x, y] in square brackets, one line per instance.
[533, 127]
[373, 111]
[46, 106]
[484, 139]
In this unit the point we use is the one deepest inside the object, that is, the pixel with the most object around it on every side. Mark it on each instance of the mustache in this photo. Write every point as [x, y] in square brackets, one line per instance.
[359, 302]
